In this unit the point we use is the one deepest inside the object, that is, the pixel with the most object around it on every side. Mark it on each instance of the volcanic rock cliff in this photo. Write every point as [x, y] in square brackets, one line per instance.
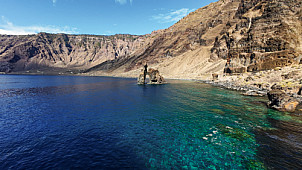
[262, 35]
[252, 35]
[44, 51]
[248, 35]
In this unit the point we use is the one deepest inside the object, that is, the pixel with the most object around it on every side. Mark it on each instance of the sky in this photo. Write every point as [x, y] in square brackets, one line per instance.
[98, 17]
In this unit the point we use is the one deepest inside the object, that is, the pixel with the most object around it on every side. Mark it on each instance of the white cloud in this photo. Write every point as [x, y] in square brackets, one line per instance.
[7, 27]
[54, 2]
[122, 2]
[172, 16]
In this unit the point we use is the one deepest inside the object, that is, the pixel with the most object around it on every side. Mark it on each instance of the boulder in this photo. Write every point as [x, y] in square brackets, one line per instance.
[281, 101]
[215, 76]
[249, 78]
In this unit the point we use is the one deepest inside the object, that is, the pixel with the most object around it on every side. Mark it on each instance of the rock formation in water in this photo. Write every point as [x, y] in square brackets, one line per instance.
[142, 77]
[281, 101]
[154, 76]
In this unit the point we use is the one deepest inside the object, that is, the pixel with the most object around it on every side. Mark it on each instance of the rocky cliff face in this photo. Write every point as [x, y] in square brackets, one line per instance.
[262, 35]
[42, 51]
[252, 35]
[184, 48]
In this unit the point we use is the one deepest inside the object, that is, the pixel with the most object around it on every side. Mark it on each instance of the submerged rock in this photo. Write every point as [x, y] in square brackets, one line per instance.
[281, 101]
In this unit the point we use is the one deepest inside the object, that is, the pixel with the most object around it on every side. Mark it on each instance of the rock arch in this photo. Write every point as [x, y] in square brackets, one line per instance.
[153, 74]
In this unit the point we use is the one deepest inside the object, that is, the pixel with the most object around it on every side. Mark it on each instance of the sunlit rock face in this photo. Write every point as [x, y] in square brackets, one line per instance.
[280, 100]
[153, 75]
[262, 35]
[18, 53]
[253, 35]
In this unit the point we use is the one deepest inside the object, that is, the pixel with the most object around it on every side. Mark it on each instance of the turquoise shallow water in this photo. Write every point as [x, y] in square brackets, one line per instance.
[68, 122]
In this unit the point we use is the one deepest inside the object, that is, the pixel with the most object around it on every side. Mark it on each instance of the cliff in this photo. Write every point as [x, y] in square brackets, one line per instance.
[253, 35]
[247, 35]
[44, 51]
[262, 35]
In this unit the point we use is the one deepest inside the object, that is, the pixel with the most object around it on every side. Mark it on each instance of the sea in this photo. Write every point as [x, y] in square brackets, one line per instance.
[74, 122]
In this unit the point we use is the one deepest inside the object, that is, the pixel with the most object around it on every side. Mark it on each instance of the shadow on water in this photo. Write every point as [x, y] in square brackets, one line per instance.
[63, 89]
[280, 147]
[91, 148]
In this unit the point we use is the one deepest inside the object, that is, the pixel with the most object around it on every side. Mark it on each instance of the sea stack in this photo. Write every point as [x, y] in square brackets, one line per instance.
[154, 76]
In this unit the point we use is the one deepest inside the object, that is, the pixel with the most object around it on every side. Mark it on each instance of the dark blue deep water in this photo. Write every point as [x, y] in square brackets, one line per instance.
[65, 122]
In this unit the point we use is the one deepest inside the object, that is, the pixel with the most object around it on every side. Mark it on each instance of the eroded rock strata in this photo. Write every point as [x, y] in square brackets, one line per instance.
[253, 35]
[45, 51]
[262, 36]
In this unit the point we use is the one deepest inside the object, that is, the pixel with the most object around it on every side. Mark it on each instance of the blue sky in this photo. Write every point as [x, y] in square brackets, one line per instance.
[100, 17]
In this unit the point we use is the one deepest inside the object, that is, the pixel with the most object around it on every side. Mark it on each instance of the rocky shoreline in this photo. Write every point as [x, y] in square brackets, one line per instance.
[278, 99]
[283, 86]
[245, 90]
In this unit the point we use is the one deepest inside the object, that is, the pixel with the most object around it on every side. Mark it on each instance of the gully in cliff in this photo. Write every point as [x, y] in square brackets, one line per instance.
[154, 76]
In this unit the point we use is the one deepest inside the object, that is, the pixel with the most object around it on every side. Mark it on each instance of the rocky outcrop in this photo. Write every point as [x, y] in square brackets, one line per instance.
[154, 77]
[280, 100]
[215, 76]
[141, 80]
[142, 77]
